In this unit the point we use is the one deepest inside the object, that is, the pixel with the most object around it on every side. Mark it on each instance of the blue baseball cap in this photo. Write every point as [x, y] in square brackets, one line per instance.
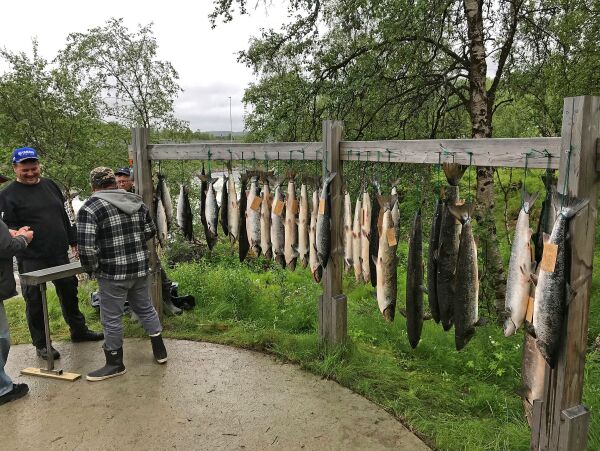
[123, 171]
[24, 153]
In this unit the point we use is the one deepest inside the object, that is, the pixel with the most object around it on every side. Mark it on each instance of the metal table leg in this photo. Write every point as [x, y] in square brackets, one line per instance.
[49, 353]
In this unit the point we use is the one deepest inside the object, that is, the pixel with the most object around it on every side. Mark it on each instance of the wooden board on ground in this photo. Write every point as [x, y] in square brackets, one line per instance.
[71, 377]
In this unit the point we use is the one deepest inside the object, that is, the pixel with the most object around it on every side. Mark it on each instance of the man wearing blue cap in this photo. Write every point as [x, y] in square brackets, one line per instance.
[38, 202]
[124, 180]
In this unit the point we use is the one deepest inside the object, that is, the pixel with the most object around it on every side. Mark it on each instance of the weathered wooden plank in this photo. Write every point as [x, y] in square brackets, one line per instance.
[508, 152]
[536, 424]
[332, 274]
[339, 319]
[574, 428]
[52, 273]
[237, 151]
[145, 187]
[64, 376]
[581, 128]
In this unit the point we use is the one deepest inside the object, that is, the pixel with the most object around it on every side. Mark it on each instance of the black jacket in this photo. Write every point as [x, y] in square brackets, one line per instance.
[9, 246]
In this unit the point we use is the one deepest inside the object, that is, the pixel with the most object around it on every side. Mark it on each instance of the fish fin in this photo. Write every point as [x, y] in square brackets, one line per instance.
[481, 322]
[453, 172]
[424, 289]
[523, 391]
[402, 311]
[529, 234]
[529, 329]
[427, 316]
[567, 206]
[462, 212]
[529, 200]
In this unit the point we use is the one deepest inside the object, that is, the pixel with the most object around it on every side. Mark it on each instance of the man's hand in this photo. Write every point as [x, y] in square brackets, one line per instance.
[24, 231]
[12, 232]
[75, 251]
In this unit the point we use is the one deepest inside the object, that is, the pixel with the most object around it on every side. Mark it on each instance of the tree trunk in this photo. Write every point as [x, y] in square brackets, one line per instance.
[481, 127]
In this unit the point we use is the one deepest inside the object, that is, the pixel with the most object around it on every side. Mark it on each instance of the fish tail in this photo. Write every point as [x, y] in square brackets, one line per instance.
[565, 205]
[454, 172]
[529, 200]
[462, 212]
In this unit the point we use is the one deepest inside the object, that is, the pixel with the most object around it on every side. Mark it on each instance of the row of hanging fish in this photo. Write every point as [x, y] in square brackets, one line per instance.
[279, 226]
[548, 272]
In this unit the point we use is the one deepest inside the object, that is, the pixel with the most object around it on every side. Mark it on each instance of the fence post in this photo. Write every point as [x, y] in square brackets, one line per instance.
[332, 308]
[142, 171]
[563, 392]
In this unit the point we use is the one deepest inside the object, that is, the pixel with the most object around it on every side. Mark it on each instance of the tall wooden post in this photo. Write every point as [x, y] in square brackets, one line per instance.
[142, 171]
[563, 422]
[332, 305]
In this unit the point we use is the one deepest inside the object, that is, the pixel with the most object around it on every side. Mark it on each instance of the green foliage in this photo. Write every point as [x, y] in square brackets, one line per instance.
[41, 106]
[120, 69]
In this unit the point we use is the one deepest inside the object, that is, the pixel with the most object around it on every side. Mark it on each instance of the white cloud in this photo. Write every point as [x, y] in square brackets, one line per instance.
[205, 59]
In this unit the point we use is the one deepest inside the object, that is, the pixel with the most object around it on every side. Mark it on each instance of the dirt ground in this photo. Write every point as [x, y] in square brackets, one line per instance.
[206, 397]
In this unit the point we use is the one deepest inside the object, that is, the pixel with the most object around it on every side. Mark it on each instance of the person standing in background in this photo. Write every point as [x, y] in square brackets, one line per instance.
[113, 227]
[11, 242]
[124, 179]
[37, 202]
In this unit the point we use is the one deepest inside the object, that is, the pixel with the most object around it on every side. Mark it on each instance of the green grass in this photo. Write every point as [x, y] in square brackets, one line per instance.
[454, 400]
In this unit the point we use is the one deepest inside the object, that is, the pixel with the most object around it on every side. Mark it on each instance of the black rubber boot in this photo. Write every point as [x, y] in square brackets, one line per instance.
[114, 366]
[158, 348]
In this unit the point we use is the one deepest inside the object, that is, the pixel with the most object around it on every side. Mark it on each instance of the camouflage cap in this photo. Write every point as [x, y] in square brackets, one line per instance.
[102, 176]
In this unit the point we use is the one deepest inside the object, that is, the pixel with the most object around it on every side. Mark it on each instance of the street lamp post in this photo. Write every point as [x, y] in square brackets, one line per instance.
[230, 122]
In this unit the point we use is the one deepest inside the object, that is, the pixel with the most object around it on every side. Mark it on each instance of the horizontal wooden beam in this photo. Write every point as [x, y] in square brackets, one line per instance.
[506, 152]
[52, 273]
[237, 151]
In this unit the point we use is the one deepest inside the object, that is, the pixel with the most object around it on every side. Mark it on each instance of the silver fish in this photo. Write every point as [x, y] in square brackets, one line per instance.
[365, 236]
[253, 218]
[211, 213]
[551, 289]
[356, 241]
[347, 231]
[165, 197]
[161, 223]
[291, 225]
[278, 227]
[265, 221]
[386, 270]
[448, 248]
[315, 267]
[184, 213]
[324, 223]
[233, 209]
[303, 227]
[223, 208]
[518, 282]
[466, 295]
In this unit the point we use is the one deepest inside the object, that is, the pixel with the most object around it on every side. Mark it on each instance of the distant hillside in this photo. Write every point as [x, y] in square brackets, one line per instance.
[225, 134]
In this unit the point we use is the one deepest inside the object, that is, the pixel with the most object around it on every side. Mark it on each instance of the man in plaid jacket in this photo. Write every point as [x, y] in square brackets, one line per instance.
[112, 229]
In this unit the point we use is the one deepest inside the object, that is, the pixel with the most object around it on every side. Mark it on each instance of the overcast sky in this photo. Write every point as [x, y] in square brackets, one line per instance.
[204, 58]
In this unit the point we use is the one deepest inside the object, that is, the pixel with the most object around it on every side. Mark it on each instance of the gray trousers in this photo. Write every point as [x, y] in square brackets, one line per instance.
[6, 383]
[113, 294]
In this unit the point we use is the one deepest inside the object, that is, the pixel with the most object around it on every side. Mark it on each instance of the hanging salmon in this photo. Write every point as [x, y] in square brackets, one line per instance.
[291, 224]
[414, 283]
[448, 248]
[518, 281]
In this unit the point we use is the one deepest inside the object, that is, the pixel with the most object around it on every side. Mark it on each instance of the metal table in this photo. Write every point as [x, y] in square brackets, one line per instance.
[40, 278]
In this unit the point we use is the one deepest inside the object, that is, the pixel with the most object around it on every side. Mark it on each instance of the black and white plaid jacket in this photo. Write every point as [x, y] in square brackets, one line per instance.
[111, 241]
